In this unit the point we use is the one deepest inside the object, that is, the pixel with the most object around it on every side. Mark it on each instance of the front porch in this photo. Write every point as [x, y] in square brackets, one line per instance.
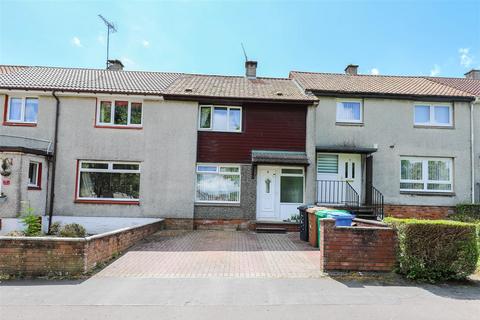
[345, 180]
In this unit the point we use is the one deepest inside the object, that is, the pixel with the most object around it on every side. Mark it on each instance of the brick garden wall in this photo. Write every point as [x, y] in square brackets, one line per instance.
[33, 257]
[418, 212]
[366, 247]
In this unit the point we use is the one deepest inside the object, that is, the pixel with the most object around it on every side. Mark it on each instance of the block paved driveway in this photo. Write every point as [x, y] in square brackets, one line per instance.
[225, 254]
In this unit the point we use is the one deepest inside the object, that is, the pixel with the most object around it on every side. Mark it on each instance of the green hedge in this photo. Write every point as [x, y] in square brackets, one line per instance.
[435, 250]
[466, 213]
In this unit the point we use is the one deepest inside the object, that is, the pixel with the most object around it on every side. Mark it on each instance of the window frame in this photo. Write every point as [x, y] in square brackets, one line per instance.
[432, 122]
[38, 176]
[344, 121]
[111, 124]
[302, 175]
[212, 110]
[218, 172]
[23, 97]
[425, 180]
[108, 170]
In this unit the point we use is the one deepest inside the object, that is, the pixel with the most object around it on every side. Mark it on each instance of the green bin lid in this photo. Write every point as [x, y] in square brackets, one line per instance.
[321, 213]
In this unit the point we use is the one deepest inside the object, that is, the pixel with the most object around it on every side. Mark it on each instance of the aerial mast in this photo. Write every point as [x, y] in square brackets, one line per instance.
[110, 28]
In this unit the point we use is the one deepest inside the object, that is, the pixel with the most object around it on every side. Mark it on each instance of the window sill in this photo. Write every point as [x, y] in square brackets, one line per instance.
[216, 204]
[34, 188]
[19, 124]
[350, 124]
[118, 127]
[419, 126]
[218, 131]
[137, 203]
[426, 193]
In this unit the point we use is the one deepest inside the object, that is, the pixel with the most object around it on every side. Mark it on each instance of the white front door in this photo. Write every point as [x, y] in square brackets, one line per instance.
[267, 208]
[332, 170]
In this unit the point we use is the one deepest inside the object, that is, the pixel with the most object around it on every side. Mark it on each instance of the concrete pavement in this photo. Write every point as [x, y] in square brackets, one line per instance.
[221, 298]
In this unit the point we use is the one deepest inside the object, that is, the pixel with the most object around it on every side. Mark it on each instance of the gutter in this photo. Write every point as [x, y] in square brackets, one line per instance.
[54, 162]
[472, 146]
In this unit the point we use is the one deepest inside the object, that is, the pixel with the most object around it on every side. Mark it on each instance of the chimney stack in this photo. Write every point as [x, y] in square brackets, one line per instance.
[115, 65]
[351, 70]
[251, 69]
[473, 74]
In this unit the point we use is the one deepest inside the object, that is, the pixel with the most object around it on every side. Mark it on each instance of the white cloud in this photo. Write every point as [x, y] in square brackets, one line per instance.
[466, 58]
[374, 72]
[76, 42]
[127, 61]
[101, 39]
[145, 43]
[435, 71]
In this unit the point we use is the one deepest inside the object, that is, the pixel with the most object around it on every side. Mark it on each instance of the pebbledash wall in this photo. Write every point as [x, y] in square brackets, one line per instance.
[34, 257]
[165, 147]
[389, 123]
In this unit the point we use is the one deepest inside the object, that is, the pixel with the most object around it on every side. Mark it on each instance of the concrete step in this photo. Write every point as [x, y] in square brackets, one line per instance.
[270, 230]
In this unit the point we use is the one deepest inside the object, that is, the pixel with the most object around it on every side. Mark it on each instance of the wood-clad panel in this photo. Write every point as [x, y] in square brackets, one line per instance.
[265, 127]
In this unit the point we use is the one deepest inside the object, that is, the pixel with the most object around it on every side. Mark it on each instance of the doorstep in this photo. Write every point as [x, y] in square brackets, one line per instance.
[287, 225]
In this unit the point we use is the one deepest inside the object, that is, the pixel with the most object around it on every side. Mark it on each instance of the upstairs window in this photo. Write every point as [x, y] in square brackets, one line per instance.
[22, 110]
[349, 111]
[119, 113]
[220, 118]
[34, 176]
[436, 115]
[426, 174]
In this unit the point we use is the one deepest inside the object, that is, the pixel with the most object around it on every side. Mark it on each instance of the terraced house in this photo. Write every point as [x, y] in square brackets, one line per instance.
[230, 150]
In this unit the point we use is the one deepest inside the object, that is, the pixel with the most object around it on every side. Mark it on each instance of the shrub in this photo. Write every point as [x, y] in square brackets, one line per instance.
[435, 250]
[32, 222]
[466, 213]
[16, 233]
[73, 230]
[55, 228]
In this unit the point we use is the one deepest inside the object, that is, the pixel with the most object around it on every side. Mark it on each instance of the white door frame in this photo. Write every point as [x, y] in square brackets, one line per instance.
[281, 211]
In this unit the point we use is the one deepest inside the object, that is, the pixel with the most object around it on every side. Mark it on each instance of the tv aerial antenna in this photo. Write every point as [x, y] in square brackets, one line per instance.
[110, 28]
[244, 52]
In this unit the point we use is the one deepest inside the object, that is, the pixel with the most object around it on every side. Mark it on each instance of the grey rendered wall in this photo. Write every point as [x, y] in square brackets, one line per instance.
[311, 172]
[17, 191]
[45, 123]
[166, 148]
[245, 210]
[476, 121]
[389, 123]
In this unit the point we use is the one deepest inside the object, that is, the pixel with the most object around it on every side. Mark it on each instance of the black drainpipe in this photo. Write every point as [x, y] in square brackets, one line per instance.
[54, 162]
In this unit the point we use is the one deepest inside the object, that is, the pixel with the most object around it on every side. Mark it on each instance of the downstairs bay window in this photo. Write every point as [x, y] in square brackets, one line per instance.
[426, 174]
[108, 181]
[218, 183]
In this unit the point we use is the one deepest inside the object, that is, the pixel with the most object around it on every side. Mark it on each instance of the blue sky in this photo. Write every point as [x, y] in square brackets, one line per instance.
[389, 37]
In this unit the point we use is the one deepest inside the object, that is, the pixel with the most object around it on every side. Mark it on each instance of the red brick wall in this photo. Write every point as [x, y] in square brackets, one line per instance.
[418, 212]
[102, 248]
[356, 248]
[34, 257]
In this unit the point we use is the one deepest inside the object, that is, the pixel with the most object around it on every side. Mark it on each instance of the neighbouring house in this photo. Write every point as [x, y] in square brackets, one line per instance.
[205, 149]
[393, 145]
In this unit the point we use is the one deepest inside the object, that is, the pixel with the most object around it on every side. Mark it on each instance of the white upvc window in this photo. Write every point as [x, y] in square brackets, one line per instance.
[108, 181]
[218, 183]
[291, 185]
[119, 113]
[34, 175]
[22, 110]
[350, 111]
[426, 174]
[433, 114]
[220, 118]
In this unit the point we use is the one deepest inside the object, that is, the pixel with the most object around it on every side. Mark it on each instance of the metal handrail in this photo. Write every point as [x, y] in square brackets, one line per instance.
[377, 203]
[337, 192]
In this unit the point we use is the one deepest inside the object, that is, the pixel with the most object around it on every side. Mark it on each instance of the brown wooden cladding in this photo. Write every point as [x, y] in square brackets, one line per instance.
[265, 127]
